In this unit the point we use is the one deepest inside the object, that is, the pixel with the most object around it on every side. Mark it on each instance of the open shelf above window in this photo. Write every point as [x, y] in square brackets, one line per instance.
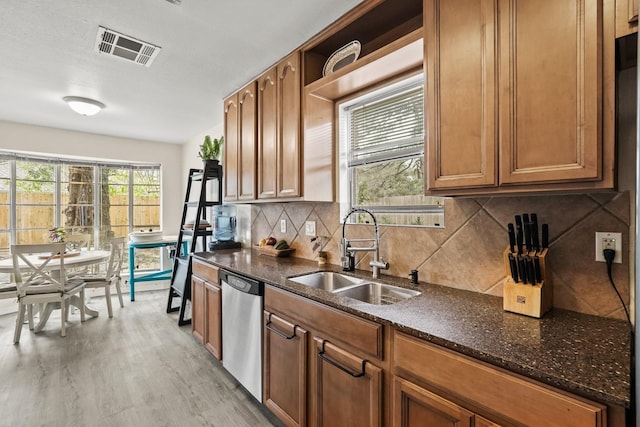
[402, 55]
[387, 26]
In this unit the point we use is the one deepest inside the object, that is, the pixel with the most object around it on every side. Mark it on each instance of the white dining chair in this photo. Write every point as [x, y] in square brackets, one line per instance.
[77, 243]
[111, 275]
[40, 278]
[8, 290]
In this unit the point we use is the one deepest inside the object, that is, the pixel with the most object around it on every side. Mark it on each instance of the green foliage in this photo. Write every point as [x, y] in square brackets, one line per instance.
[210, 150]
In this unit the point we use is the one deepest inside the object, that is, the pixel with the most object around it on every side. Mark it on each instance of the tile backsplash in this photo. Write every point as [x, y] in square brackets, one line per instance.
[468, 252]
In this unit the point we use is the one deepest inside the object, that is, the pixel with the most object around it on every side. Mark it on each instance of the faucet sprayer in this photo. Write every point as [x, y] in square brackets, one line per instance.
[347, 251]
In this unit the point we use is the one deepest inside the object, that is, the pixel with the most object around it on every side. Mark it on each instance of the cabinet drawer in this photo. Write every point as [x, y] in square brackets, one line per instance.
[205, 271]
[353, 331]
[491, 389]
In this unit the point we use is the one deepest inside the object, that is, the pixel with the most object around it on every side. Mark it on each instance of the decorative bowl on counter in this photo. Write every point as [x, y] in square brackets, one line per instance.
[271, 251]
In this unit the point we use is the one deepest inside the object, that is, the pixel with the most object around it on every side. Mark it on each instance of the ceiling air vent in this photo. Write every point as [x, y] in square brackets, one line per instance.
[128, 48]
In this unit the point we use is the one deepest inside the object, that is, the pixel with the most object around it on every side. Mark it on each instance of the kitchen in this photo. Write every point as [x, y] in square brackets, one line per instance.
[475, 226]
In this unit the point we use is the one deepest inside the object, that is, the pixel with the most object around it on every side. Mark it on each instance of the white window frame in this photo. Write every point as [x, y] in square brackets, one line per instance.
[346, 172]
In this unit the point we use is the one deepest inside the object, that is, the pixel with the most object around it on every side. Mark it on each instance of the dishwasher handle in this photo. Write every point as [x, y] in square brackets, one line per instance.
[242, 283]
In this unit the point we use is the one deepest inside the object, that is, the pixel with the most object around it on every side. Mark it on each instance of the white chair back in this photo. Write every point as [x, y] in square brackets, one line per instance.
[33, 265]
[77, 242]
[114, 265]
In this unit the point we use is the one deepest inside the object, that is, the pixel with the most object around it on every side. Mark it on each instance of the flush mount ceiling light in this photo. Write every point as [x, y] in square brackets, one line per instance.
[84, 106]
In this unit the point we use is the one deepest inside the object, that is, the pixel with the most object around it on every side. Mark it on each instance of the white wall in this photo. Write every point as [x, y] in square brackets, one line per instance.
[22, 137]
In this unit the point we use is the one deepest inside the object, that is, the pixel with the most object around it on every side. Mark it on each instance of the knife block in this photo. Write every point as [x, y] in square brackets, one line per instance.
[530, 300]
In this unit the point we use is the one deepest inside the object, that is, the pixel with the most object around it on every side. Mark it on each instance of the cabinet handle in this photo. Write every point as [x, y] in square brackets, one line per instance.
[277, 332]
[342, 368]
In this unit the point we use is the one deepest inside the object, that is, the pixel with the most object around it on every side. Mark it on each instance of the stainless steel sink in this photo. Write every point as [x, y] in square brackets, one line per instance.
[326, 280]
[360, 289]
[377, 293]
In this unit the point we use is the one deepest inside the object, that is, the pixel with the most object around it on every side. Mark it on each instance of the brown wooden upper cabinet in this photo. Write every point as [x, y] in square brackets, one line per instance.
[626, 17]
[231, 148]
[279, 151]
[240, 121]
[518, 95]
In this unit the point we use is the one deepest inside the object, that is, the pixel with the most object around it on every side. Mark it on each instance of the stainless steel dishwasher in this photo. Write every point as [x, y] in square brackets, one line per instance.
[242, 304]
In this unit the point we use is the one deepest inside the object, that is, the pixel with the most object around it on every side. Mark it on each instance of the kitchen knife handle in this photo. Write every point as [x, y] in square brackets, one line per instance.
[512, 237]
[527, 236]
[513, 267]
[535, 237]
[536, 265]
[522, 270]
[519, 238]
[531, 274]
[545, 236]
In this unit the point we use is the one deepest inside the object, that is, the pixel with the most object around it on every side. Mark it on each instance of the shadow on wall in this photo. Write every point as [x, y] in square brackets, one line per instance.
[467, 253]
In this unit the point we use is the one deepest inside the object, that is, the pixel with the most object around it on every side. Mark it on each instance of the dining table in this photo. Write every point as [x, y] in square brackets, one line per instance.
[81, 258]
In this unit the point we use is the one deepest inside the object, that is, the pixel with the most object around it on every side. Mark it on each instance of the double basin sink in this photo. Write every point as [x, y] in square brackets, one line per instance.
[353, 287]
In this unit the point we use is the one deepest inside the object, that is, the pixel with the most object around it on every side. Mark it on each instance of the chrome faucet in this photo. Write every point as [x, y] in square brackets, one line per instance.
[347, 251]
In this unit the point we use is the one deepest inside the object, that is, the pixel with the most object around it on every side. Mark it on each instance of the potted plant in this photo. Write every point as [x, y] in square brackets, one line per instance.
[210, 149]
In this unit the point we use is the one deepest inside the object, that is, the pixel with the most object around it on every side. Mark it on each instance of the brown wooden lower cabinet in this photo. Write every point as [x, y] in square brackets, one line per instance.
[348, 388]
[206, 307]
[495, 393]
[414, 406]
[285, 370]
[213, 319]
[327, 368]
[197, 308]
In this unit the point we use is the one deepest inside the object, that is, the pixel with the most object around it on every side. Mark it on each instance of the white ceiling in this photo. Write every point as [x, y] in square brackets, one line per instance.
[209, 49]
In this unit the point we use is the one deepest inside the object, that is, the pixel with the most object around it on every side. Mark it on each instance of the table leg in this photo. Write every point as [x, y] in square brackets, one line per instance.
[44, 316]
[132, 275]
[75, 301]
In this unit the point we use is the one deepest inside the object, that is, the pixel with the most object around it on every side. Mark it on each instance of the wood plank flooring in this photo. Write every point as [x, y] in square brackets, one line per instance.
[137, 369]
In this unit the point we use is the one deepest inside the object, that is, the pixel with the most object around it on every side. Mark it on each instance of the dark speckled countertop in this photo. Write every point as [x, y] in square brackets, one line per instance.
[582, 354]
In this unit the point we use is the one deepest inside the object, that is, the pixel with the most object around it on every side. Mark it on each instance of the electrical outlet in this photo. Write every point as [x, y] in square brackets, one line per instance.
[310, 228]
[283, 225]
[609, 241]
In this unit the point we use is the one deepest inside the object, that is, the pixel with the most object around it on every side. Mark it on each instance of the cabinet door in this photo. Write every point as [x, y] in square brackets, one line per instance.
[248, 123]
[231, 148]
[267, 135]
[414, 406]
[626, 17]
[289, 155]
[460, 93]
[550, 91]
[348, 388]
[285, 370]
[197, 308]
[213, 319]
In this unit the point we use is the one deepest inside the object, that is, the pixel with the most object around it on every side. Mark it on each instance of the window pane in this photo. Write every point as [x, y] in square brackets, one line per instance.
[5, 207]
[77, 201]
[114, 201]
[35, 201]
[382, 156]
[146, 199]
[398, 182]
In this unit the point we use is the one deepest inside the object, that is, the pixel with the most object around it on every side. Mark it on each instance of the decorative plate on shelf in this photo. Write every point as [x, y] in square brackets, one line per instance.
[342, 57]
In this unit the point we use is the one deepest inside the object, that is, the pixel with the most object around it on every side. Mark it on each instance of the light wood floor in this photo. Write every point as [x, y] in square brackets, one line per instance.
[137, 369]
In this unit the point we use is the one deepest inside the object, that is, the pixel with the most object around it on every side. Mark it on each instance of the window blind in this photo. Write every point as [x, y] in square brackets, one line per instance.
[387, 128]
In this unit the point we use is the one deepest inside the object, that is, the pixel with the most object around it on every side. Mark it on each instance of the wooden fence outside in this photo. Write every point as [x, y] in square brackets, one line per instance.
[39, 215]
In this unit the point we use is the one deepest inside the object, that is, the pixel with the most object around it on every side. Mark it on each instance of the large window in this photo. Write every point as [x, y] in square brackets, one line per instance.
[382, 156]
[81, 196]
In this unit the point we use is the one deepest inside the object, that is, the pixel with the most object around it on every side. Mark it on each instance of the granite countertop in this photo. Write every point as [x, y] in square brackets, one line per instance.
[579, 353]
